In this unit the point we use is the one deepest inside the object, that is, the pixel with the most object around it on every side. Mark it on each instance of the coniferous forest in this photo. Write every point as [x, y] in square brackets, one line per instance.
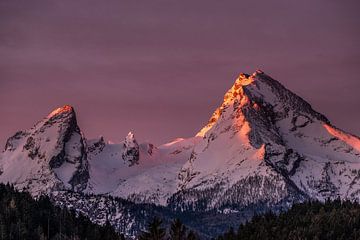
[310, 220]
[22, 217]
[305, 221]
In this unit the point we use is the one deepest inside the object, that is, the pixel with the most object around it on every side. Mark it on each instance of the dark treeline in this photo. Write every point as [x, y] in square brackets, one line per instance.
[310, 220]
[22, 217]
[176, 231]
[305, 221]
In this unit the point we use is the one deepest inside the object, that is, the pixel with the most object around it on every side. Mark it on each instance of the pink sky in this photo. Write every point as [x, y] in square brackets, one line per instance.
[160, 68]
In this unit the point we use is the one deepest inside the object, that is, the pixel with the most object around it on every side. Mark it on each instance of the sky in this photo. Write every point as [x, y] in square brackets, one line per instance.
[160, 68]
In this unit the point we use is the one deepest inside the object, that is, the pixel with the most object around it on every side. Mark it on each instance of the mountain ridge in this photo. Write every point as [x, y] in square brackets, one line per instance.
[263, 148]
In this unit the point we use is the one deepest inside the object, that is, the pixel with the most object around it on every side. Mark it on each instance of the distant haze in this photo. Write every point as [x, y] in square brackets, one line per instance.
[160, 68]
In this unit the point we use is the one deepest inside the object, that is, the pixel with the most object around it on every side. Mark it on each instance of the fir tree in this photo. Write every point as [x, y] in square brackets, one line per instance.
[192, 236]
[177, 230]
[154, 231]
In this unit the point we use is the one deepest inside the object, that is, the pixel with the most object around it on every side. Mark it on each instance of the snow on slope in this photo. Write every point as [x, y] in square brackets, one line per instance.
[152, 179]
[265, 144]
[49, 156]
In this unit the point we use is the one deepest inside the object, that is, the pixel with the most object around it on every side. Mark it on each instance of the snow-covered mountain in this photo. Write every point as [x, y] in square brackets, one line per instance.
[51, 155]
[266, 145]
[263, 148]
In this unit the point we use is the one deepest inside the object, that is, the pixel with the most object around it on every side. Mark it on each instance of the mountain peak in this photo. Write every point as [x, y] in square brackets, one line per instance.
[235, 94]
[131, 150]
[244, 79]
[258, 91]
[56, 148]
[66, 109]
[130, 137]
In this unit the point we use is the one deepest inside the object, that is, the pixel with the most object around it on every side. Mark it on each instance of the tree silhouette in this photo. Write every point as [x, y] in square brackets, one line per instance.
[154, 231]
[177, 230]
[192, 236]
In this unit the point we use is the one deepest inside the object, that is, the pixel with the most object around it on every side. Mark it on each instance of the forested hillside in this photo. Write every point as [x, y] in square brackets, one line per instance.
[22, 217]
[311, 220]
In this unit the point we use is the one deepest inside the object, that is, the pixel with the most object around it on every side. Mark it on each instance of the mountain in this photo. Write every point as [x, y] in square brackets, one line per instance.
[266, 145]
[51, 155]
[263, 148]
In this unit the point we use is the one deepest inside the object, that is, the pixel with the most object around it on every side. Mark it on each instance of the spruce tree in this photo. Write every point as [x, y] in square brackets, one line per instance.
[177, 230]
[154, 231]
[192, 236]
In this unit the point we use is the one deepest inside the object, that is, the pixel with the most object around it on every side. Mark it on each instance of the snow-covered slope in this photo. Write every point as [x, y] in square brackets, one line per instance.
[152, 179]
[49, 156]
[266, 145]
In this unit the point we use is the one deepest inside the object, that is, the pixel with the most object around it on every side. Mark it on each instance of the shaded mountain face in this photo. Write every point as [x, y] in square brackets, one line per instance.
[49, 156]
[131, 152]
[263, 148]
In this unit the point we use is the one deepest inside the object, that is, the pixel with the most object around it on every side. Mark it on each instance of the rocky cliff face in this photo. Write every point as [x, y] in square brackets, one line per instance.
[131, 153]
[49, 156]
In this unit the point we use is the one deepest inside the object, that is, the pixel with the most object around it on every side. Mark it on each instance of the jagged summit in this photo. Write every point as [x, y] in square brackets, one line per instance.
[63, 118]
[51, 155]
[64, 110]
[131, 152]
[258, 92]
[130, 137]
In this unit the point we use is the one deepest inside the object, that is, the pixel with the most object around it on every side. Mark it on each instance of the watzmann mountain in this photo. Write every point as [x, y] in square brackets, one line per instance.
[263, 148]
